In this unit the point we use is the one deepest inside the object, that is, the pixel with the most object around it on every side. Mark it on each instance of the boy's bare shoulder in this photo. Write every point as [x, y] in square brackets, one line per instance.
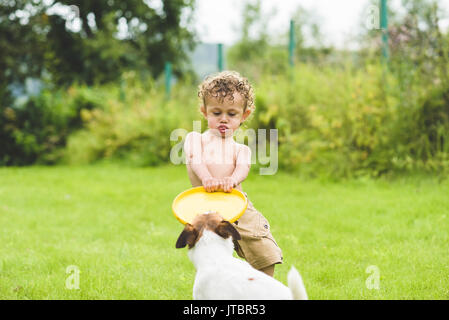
[193, 134]
[192, 137]
[242, 147]
[243, 154]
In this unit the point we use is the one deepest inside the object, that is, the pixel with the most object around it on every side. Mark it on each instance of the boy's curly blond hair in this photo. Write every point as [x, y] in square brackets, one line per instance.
[223, 85]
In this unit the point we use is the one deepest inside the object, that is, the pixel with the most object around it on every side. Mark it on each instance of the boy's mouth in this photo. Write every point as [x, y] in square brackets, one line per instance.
[222, 129]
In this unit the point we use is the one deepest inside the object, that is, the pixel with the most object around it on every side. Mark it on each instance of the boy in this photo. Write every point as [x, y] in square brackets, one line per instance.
[214, 160]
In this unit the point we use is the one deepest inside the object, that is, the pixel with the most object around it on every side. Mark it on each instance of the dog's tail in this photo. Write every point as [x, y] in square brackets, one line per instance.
[296, 285]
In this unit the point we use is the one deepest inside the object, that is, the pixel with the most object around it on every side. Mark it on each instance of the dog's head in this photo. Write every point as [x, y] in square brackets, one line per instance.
[211, 221]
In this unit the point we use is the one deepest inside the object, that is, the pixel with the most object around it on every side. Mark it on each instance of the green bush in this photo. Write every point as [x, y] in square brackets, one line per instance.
[36, 131]
[331, 121]
[136, 129]
[343, 122]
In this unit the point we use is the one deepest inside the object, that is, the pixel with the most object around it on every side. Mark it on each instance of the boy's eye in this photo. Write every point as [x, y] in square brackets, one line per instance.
[217, 113]
[232, 114]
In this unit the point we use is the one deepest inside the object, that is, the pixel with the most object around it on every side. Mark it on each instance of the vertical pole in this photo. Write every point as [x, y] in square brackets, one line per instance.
[220, 57]
[384, 28]
[167, 79]
[291, 44]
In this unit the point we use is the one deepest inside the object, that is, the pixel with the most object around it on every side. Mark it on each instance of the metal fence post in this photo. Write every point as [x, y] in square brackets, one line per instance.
[291, 44]
[384, 28]
[220, 57]
[167, 79]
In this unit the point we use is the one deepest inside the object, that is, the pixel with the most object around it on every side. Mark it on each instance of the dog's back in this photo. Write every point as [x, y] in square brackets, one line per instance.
[235, 279]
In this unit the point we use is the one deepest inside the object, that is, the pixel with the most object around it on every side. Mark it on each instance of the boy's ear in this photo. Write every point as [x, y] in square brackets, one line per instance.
[225, 229]
[203, 110]
[246, 113]
[187, 237]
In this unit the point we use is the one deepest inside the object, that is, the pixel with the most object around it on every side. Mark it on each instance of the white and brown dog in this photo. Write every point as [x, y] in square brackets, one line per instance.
[219, 275]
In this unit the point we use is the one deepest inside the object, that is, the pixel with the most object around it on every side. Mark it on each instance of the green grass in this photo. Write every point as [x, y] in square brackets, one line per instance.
[115, 224]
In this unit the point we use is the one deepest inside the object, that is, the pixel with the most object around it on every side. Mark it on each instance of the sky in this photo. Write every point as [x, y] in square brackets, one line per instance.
[340, 20]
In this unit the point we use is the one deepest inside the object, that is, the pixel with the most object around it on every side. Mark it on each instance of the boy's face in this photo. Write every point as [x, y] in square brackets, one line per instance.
[223, 118]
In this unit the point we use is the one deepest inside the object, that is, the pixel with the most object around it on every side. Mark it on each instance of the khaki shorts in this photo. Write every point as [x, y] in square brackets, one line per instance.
[257, 245]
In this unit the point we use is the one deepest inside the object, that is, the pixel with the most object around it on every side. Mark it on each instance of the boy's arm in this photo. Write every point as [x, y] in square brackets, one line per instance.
[193, 151]
[243, 164]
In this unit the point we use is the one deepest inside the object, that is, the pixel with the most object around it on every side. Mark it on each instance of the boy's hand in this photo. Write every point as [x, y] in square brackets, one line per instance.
[228, 183]
[212, 184]
[219, 184]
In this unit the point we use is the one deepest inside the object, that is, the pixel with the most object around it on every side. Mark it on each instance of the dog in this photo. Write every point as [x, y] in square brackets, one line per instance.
[219, 275]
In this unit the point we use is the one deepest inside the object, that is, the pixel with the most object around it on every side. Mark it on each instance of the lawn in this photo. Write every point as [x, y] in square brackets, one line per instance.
[115, 226]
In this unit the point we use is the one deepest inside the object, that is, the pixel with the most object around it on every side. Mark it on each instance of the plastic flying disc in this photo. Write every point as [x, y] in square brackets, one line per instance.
[194, 201]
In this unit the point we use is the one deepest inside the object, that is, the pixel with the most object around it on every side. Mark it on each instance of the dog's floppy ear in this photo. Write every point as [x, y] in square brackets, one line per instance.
[226, 229]
[187, 237]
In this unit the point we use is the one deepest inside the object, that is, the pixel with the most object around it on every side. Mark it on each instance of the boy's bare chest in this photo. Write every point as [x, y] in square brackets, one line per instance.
[219, 153]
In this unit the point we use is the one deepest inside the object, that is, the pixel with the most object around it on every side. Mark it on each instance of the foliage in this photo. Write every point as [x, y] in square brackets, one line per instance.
[334, 122]
[136, 130]
[36, 130]
[258, 53]
[253, 44]
[343, 113]
[337, 114]
[352, 122]
[37, 39]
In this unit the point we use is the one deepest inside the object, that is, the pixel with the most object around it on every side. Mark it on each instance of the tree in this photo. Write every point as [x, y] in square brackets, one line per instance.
[36, 38]
[89, 42]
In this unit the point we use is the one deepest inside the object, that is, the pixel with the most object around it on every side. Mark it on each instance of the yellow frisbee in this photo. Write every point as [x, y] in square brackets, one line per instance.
[194, 201]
